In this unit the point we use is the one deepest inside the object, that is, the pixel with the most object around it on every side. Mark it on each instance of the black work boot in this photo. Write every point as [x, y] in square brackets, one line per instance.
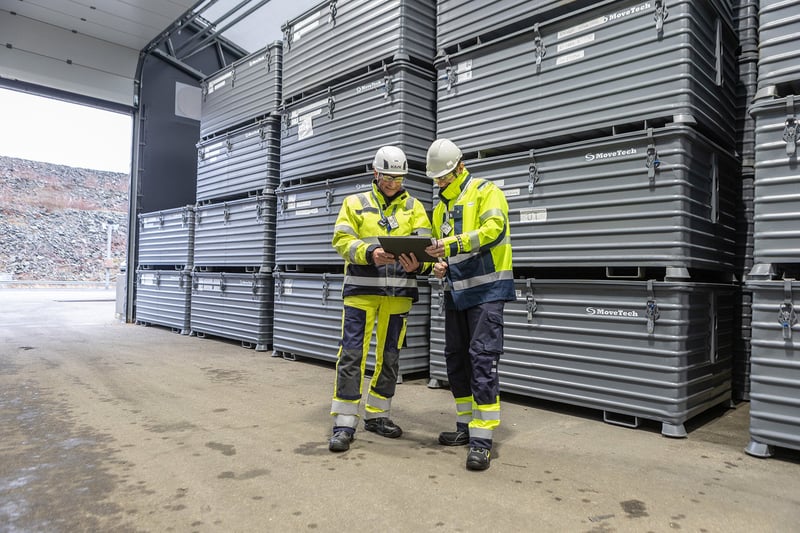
[454, 438]
[340, 441]
[478, 459]
[383, 427]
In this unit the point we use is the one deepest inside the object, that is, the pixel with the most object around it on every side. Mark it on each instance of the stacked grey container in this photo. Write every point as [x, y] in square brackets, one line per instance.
[774, 371]
[608, 126]
[357, 76]
[163, 275]
[238, 157]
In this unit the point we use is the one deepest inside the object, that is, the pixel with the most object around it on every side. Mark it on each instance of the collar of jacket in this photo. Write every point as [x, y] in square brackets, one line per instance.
[453, 190]
[386, 200]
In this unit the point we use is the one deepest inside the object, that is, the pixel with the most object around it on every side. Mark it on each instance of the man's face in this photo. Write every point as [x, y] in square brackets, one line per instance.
[389, 184]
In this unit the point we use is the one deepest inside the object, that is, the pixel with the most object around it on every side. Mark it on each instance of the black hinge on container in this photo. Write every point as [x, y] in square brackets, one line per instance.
[790, 127]
[533, 172]
[539, 48]
[651, 162]
[661, 14]
[334, 11]
[331, 103]
[651, 308]
[325, 288]
[786, 315]
[530, 301]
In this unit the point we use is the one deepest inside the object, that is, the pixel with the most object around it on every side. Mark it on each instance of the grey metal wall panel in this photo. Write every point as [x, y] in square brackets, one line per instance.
[167, 237]
[778, 53]
[338, 39]
[775, 365]
[307, 213]
[462, 21]
[593, 343]
[745, 92]
[247, 89]
[607, 203]
[608, 67]
[239, 233]
[300, 296]
[341, 129]
[234, 306]
[244, 161]
[162, 297]
[745, 21]
[777, 182]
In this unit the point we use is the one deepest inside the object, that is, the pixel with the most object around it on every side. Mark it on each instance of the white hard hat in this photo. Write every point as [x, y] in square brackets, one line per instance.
[443, 158]
[390, 160]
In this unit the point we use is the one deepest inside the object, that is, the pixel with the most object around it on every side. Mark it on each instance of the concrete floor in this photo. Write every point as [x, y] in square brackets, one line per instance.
[108, 426]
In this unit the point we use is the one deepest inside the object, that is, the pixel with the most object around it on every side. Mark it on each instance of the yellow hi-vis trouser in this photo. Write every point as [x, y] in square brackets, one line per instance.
[358, 321]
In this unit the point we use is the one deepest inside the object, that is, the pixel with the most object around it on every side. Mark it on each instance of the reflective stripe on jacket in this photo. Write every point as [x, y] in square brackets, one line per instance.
[362, 219]
[472, 221]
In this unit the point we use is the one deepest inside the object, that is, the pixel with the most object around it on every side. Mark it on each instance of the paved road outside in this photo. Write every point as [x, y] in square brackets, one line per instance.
[106, 426]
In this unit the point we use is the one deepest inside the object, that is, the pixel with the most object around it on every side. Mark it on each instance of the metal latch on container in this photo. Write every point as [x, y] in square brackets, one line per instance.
[287, 37]
[533, 173]
[450, 73]
[325, 288]
[331, 103]
[160, 219]
[278, 285]
[233, 78]
[260, 209]
[651, 161]
[786, 315]
[254, 287]
[222, 282]
[440, 296]
[332, 8]
[284, 123]
[387, 86]
[539, 48]
[228, 145]
[661, 14]
[201, 154]
[226, 213]
[651, 308]
[790, 127]
[328, 195]
[184, 216]
[530, 301]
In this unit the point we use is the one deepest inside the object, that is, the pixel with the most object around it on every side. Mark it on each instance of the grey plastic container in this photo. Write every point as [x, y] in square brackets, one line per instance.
[660, 198]
[236, 306]
[611, 68]
[595, 343]
[774, 367]
[300, 296]
[336, 40]
[246, 90]
[239, 233]
[306, 215]
[242, 162]
[163, 297]
[777, 181]
[745, 93]
[166, 238]
[339, 130]
[778, 53]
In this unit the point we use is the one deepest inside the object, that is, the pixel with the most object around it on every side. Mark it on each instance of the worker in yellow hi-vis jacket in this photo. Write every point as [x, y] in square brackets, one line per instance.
[471, 229]
[378, 288]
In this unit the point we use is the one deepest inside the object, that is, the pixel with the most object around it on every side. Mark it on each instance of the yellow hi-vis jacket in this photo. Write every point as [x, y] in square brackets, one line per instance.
[472, 221]
[362, 219]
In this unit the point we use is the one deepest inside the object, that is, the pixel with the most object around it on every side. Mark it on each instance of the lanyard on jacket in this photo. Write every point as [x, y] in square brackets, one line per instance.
[445, 228]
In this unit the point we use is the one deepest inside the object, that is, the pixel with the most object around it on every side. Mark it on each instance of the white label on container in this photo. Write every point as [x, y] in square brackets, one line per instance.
[303, 203]
[305, 128]
[580, 41]
[512, 192]
[257, 60]
[534, 214]
[518, 294]
[209, 285]
[287, 286]
[305, 26]
[464, 71]
[219, 83]
[582, 27]
[311, 110]
[371, 86]
[148, 279]
[569, 58]
[152, 223]
[304, 212]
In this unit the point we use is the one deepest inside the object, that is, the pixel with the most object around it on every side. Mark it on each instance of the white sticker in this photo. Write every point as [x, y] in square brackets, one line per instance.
[512, 192]
[311, 110]
[148, 279]
[305, 26]
[219, 83]
[305, 128]
[574, 56]
[211, 285]
[304, 212]
[304, 203]
[287, 286]
[580, 41]
[582, 27]
[464, 71]
[534, 214]
[518, 293]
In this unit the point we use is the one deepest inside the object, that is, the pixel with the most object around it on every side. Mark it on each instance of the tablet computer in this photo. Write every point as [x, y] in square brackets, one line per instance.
[405, 245]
